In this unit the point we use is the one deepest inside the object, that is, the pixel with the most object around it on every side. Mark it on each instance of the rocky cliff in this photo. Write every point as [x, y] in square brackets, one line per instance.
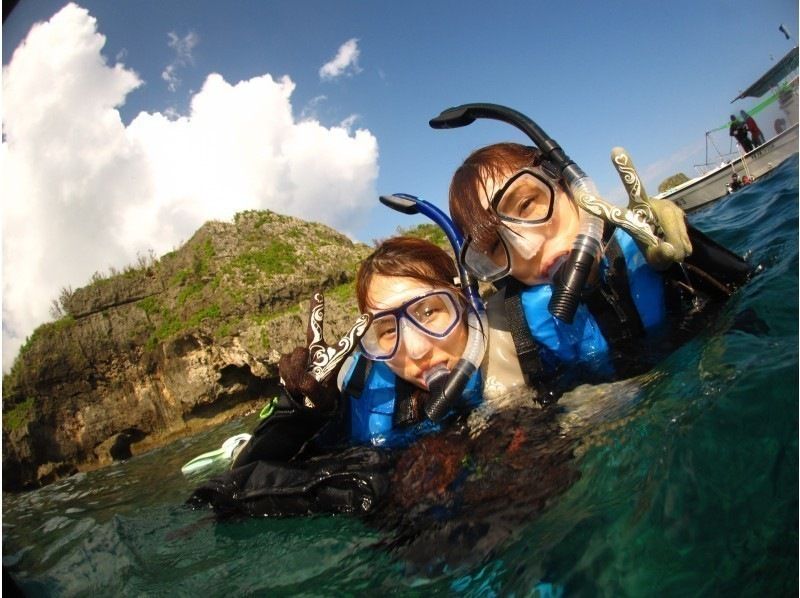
[153, 352]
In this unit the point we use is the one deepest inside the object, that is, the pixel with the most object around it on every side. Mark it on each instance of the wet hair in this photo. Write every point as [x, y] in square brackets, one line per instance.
[468, 184]
[407, 257]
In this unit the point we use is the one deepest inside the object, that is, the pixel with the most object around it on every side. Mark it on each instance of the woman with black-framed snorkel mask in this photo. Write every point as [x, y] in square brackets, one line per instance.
[590, 292]
[526, 220]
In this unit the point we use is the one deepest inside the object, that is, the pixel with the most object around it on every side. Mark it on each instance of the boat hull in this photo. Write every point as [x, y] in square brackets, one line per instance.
[711, 186]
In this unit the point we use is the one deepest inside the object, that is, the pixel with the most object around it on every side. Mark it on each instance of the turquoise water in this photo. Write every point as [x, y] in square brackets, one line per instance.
[688, 486]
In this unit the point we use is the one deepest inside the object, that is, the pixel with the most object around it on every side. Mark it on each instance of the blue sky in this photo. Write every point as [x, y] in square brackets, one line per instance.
[172, 78]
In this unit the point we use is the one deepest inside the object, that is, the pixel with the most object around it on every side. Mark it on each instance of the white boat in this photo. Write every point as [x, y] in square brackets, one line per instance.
[713, 184]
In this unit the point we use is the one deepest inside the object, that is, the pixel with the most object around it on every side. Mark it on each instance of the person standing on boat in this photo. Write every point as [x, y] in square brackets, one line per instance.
[739, 130]
[755, 133]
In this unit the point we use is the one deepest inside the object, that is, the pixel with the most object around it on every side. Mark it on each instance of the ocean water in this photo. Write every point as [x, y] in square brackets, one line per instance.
[686, 482]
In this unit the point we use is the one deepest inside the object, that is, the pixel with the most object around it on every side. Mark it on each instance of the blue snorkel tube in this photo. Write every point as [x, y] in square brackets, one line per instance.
[446, 387]
[571, 277]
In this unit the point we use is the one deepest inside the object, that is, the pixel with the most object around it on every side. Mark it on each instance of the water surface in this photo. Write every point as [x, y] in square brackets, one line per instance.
[687, 482]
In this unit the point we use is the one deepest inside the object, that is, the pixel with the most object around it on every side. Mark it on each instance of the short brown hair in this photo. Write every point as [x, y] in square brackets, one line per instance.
[490, 162]
[408, 257]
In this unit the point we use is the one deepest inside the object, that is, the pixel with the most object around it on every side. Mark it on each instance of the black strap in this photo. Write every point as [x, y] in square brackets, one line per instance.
[611, 303]
[406, 404]
[526, 346]
[529, 350]
[358, 379]
[406, 408]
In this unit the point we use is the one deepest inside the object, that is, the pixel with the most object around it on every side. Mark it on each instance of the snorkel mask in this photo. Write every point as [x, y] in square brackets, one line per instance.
[415, 324]
[445, 386]
[571, 277]
[524, 206]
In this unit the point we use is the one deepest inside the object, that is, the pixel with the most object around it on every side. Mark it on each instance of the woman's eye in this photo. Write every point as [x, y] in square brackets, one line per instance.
[530, 206]
[427, 312]
[386, 330]
[525, 204]
[528, 198]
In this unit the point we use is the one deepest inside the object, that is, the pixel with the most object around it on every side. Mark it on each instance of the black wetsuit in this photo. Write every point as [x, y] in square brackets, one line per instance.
[739, 130]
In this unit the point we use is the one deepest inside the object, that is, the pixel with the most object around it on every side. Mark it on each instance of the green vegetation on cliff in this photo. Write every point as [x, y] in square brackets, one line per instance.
[19, 415]
[144, 350]
[429, 232]
[226, 279]
[673, 181]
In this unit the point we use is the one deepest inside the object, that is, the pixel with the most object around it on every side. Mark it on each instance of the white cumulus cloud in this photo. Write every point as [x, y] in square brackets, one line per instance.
[344, 63]
[83, 192]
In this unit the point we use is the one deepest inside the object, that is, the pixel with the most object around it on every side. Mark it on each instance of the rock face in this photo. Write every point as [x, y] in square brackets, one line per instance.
[143, 354]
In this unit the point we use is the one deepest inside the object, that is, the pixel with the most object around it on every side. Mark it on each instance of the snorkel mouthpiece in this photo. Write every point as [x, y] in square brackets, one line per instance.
[445, 387]
[569, 279]
[435, 378]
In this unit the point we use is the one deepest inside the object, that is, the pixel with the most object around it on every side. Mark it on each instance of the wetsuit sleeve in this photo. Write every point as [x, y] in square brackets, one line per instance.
[351, 481]
[284, 433]
[714, 268]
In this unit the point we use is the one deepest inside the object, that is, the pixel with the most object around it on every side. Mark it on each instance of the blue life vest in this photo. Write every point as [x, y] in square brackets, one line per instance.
[582, 341]
[371, 413]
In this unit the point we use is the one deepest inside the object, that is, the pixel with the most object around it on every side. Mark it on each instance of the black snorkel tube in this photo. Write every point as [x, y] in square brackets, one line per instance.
[571, 277]
[445, 386]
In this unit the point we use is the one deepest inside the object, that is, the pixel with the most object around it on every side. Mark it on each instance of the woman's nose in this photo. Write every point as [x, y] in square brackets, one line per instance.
[417, 344]
[523, 245]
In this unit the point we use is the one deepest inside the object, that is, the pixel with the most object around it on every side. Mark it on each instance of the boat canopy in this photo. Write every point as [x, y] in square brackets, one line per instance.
[772, 77]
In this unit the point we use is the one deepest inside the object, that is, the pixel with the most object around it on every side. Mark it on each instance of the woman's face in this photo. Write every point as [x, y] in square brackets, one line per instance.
[417, 352]
[535, 250]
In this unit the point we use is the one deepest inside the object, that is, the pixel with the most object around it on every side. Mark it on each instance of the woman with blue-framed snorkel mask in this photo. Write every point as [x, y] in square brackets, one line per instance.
[406, 364]
[422, 352]
[382, 384]
[590, 292]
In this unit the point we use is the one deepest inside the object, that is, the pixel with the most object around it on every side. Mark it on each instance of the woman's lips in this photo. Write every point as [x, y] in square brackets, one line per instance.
[422, 372]
[551, 267]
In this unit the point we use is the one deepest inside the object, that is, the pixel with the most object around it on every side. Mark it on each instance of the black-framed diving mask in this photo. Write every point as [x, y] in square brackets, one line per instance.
[525, 202]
